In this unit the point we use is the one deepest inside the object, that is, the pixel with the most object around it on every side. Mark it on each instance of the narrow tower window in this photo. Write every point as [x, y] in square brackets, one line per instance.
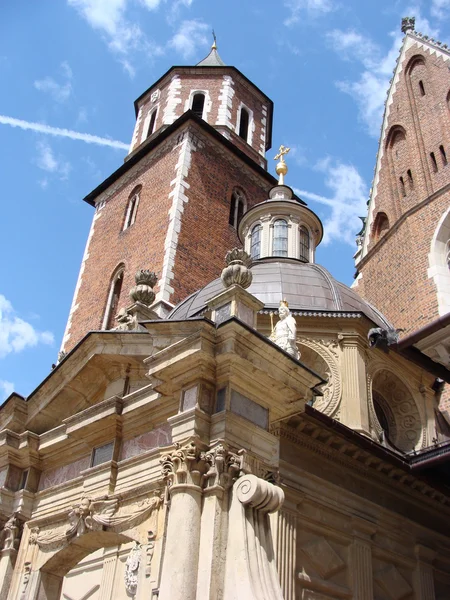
[151, 127]
[304, 244]
[410, 178]
[198, 102]
[243, 124]
[280, 238]
[113, 301]
[443, 155]
[237, 208]
[402, 186]
[255, 242]
[421, 88]
[433, 162]
[130, 215]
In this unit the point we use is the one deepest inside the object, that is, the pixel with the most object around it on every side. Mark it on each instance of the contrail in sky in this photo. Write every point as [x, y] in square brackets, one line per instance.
[57, 131]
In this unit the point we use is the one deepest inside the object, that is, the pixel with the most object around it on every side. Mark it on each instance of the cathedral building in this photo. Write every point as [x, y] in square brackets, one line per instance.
[226, 420]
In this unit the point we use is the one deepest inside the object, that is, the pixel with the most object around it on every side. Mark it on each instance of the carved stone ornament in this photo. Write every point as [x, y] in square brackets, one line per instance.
[284, 334]
[408, 24]
[132, 569]
[25, 578]
[237, 272]
[95, 514]
[224, 467]
[10, 538]
[185, 465]
[150, 549]
[143, 290]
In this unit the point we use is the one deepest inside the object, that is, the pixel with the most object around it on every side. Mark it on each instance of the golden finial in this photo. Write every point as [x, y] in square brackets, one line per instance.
[281, 168]
[284, 303]
[214, 46]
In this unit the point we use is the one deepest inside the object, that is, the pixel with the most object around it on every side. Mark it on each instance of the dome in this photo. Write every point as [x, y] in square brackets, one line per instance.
[306, 287]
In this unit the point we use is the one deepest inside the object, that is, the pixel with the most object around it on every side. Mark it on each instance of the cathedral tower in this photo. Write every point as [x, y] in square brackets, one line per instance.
[196, 164]
[403, 255]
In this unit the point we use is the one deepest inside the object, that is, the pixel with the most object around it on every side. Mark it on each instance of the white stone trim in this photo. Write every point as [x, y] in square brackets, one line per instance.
[75, 305]
[439, 269]
[262, 146]
[206, 106]
[136, 131]
[179, 186]
[226, 102]
[407, 44]
[173, 100]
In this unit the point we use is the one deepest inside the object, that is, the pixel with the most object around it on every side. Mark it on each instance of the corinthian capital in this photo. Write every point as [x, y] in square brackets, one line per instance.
[186, 465]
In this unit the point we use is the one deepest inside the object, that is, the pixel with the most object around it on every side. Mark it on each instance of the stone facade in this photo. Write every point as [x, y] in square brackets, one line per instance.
[194, 458]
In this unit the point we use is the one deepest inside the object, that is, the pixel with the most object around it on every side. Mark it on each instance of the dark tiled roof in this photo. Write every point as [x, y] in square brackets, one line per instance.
[305, 286]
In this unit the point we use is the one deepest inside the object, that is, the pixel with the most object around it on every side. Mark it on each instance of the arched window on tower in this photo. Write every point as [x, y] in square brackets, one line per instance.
[381, 225]
[132, 207]
[238, 205]
[112, 304]
[244, 121]
[304, 244]
[255, 242]
[198, 104]
[280, 238]
[151, 125]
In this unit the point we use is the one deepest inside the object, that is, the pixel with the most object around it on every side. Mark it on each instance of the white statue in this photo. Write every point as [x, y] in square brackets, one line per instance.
[284, 334]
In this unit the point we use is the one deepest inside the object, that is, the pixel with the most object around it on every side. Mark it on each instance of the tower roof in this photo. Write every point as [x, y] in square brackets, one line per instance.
[212, 60]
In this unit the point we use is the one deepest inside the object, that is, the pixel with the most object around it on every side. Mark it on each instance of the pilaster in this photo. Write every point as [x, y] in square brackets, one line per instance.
[361, 558]
[355, 408]
[423, 575]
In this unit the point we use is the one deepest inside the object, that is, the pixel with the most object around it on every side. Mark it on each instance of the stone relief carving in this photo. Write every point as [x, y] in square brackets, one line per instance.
[132, 569]
[224, 467]
[149, 550]
[95, 514]
[89, 515]
[329, 351]
[25, 579]
[10, 536]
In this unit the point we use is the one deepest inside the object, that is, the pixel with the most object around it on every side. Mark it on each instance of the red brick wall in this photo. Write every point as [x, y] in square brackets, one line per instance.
[394, 272]
[203, 240]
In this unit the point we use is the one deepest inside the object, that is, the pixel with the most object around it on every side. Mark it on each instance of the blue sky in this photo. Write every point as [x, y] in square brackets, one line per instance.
[69, 73]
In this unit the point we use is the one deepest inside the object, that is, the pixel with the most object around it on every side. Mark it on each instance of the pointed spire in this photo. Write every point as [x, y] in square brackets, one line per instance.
[213, 59]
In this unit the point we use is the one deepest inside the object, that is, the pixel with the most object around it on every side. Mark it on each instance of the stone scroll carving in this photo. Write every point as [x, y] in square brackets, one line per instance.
[250, 568]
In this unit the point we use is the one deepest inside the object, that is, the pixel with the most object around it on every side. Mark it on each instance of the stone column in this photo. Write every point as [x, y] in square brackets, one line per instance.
[223, 469]
[355, 408]
[361, 558]
[7, 562]
[286, 550]
[183, 469]
[423, 575]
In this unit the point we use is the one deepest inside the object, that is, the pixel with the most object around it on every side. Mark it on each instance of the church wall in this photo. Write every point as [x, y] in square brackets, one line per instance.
[394, 272]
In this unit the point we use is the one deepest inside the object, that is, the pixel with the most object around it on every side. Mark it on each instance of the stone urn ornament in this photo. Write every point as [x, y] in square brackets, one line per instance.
[143, 290]
[238, 270]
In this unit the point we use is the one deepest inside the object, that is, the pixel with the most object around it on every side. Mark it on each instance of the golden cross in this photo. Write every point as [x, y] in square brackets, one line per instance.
[283, 150]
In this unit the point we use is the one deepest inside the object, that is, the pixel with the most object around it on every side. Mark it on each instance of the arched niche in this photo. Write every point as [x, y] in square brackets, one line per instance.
[439, 262]
[396, 412]
[380, 225]
[417, 72]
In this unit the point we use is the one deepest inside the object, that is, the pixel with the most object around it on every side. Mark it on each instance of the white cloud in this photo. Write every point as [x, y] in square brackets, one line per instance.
[57, 131]
[6, 389]
[16, 334]
[311, 7]
[122, 36]
[440, 9]
[59, 91]
[347, 203]
[370, 89]
[190, 35]
[47, 161]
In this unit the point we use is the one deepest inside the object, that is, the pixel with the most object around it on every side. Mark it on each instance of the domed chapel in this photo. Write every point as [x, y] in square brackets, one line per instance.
[226, 420]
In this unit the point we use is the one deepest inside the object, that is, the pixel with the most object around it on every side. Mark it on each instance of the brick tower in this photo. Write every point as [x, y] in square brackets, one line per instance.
[403, 255]
[196, 163]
